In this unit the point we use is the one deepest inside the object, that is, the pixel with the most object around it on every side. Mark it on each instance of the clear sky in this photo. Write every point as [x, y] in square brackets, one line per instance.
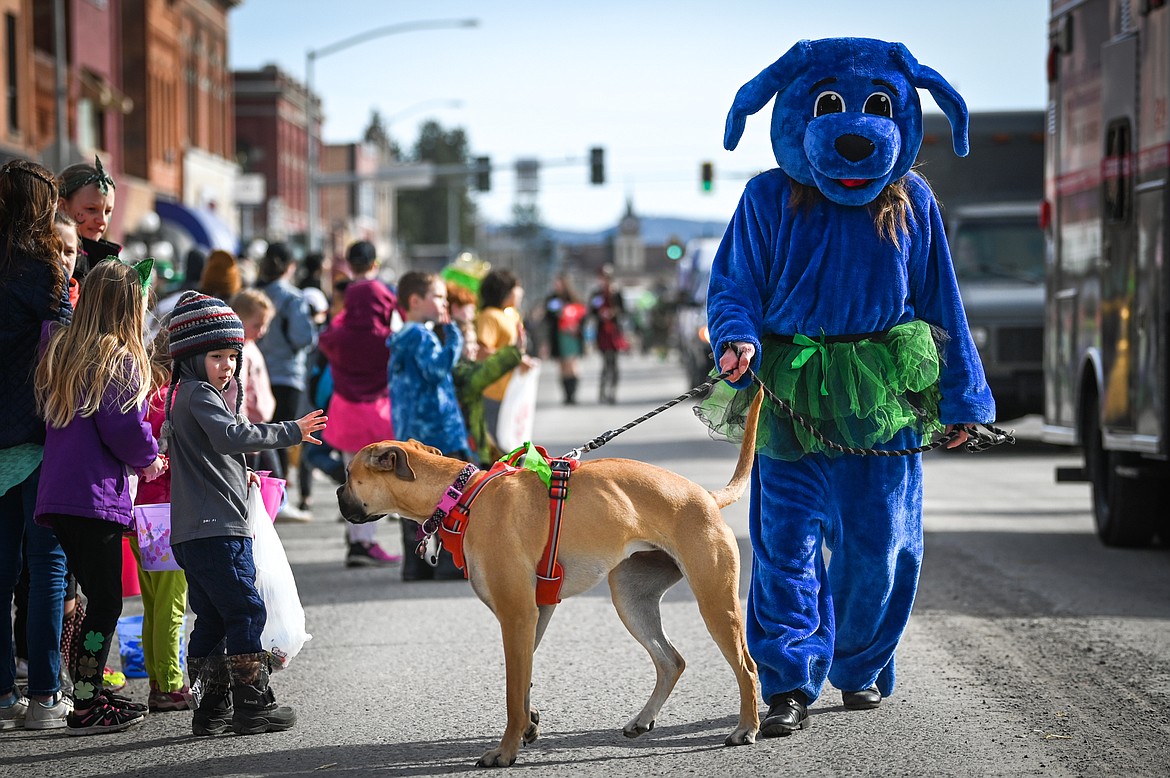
[649, 80]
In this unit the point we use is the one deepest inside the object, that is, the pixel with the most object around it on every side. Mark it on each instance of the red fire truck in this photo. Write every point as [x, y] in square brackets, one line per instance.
[1106, 209]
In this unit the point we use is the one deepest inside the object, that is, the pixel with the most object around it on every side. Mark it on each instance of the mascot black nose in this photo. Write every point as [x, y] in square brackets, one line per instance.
[854, 147]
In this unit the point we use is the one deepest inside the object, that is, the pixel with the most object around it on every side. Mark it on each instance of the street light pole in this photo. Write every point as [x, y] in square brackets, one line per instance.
[311, 57]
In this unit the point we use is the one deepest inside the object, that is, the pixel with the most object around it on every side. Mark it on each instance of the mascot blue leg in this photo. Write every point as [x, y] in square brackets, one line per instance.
[806, 624]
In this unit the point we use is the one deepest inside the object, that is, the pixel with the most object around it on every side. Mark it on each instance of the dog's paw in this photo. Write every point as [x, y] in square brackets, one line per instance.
[741, 737]
[635, 728]
[533, 731]
[496, 758]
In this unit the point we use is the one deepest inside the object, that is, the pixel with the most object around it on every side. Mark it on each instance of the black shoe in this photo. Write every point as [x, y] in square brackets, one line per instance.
[787, 713]
[866, 699]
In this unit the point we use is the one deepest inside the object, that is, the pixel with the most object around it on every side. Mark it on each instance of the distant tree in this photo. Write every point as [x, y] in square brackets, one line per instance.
[422, 213]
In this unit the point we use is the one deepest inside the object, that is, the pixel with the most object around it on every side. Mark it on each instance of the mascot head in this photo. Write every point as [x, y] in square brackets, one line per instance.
[847, 118]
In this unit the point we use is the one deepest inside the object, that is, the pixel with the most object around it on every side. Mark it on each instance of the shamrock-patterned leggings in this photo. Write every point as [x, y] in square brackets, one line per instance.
[94, 549]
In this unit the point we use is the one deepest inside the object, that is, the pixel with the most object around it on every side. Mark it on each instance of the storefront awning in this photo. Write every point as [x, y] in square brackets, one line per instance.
[206, 229]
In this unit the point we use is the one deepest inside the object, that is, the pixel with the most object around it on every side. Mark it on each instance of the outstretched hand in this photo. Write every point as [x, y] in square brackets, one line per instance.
[313, 421]
[737, 357]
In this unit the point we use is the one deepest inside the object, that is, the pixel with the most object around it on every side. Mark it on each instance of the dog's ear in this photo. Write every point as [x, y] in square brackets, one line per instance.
[756, 93]
[425, 447]
[947, 97]
[392, 458]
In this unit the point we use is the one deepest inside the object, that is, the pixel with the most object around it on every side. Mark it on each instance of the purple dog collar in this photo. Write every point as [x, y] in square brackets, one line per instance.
[450, 498]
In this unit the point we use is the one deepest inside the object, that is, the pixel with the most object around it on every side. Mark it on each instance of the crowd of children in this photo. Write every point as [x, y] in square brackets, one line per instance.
[121, 402]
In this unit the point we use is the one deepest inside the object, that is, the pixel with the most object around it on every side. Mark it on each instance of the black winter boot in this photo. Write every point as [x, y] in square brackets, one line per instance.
[256, 710]
[211, 689]
[570, 385]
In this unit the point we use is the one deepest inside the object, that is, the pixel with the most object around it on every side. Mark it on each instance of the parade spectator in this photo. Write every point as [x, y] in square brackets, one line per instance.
[422, 393]
[221, 275]
[320, 392]
[164, 592]
[92, 384]
[564, 317]
[210, 532]
[86, 194]
[472, 376]
[66, 230]
[355, 345]
[33, 292]
[285, 347]
[256, 312]
[607, 307]
[497, 325]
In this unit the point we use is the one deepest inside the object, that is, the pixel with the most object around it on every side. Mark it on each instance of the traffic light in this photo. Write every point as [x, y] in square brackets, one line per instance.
[707, 177]
[597, 165]
[675, 249]
[483, 174]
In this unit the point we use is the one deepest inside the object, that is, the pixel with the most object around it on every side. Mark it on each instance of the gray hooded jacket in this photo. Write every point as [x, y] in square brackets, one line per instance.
[209, 480]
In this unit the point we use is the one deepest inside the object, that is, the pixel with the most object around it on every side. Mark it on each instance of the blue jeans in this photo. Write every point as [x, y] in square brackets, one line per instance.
[47, 573]
[221, 588]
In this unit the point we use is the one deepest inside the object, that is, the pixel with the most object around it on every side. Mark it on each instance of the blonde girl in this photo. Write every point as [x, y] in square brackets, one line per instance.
[91, 388]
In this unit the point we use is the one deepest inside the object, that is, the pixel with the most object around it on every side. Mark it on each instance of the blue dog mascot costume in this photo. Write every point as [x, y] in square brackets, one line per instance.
[836, 273]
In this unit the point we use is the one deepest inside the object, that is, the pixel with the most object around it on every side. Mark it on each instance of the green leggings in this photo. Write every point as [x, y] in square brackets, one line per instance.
[164, 603]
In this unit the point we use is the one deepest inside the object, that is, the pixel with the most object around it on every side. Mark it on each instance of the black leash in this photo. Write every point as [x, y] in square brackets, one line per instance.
[606, 437]
[980, 437]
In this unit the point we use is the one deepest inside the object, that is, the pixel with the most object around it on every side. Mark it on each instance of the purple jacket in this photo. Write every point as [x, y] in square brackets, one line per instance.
[86, 463]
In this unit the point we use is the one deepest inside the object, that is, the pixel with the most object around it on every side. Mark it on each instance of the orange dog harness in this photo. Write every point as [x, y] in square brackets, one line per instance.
[453, 513]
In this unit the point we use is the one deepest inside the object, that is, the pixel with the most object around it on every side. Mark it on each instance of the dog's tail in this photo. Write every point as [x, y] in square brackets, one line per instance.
[747, 455]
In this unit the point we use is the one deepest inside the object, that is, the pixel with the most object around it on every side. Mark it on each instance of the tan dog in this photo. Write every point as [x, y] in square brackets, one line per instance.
[643, 526]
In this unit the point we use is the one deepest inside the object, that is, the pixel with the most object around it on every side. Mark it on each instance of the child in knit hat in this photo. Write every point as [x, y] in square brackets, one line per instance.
[210, 533]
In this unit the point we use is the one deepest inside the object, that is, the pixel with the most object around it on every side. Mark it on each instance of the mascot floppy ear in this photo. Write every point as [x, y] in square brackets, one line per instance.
[756, 93]
[952, 104]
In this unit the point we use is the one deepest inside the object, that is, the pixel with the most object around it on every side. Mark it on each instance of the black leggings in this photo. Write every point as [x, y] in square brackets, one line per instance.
[94, 550]
[289, 400]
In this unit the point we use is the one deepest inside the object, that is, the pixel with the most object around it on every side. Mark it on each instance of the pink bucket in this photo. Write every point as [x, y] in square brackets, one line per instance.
[272, 492]
[153, 523]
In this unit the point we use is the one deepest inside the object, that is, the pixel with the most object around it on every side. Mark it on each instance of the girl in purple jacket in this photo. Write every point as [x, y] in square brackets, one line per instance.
[91, 388]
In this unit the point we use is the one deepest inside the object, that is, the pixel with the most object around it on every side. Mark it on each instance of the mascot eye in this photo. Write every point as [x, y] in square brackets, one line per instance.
[879, 104]
[829, 102]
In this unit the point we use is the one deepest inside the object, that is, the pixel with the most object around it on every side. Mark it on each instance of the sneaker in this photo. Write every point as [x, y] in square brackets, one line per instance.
[102, 717]
[166, 701]
[113, 680]
[48, 715]
[122, 703]
[293, 515]
[13, 710]
[369, 555]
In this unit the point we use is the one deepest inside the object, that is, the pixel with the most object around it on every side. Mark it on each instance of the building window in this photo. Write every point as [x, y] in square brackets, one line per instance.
[13, 102]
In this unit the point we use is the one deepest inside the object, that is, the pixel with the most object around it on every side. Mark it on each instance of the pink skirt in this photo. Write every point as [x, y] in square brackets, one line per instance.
[354, 425]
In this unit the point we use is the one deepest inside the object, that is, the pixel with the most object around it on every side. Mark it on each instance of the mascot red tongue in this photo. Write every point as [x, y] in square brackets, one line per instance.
[835, 275]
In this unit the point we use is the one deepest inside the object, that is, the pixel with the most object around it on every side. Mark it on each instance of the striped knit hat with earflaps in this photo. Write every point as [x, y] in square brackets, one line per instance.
[198, 324]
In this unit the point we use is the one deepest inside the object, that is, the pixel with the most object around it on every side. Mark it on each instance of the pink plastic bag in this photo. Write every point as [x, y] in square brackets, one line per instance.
[272, 491]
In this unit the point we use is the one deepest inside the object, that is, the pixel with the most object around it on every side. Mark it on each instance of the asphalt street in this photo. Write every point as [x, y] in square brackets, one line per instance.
[1033, 650]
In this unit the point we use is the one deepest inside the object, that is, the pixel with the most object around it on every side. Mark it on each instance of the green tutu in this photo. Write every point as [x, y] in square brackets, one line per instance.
[857, 392]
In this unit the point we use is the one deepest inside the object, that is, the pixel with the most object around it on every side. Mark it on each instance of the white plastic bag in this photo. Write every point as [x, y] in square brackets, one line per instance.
[518, 409]
[284, 631]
